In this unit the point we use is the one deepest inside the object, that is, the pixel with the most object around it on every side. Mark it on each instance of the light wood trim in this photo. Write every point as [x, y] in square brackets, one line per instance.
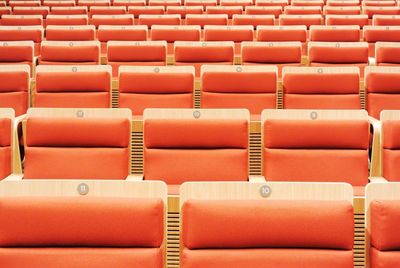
[309, 1]
[322, 114]
[203, 44]
[137, 43]
[281, 28]
[14, 177]
[223, 8]
[94, 1]
[378, 8]
[238, 2]
[16, 160]
[165, 16]
[271, 44]
[145, 7]
[235, 69]
[22, 17]
[10, 114]
[334, 27]
[257, 178]
[377, 180]
[16, 68]
[201, 1]
[124, 27]
[336, 44]
[379, 45]
[165, 1]
[247, 16]
[314, 8]
[308, 17]
[31, 8]
[184, 8]
[229, 27]
[272, 1]
[189, 114]
[207, 16]
[69, 43]
[279, 191]
[60, 2]
[348, 8]
[108, 8]
[68, 16]
[134, 177]
[66, 8]
[71, 27]
[264, 8]
[381, 28]
[19, 44]
[176, 27]
[376, 157]
[381, 69]
[112, 16]
[345, 17]
[320, 70]
[87, 112]
[390, 115]
[157, 69]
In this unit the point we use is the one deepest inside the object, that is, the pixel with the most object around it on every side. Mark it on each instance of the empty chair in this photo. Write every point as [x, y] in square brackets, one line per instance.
[248, 87]
[343, 33]
[14, 87]
[129, 3]
[151, 20]
[200, 53]
[184, 10]
[202, 3]
[386, 20]
[126, 19]
[235, 33]
[382, 85]
[43, 11]
[107, 10]
[145, 10]
[164, 3]
[55, 10]
[360, 20]
[171, 34]
[379, 10]
[70, 52]
[18, 52]
[283, 34]
[389, 145]
[23, 33]
[6, 137]
[339, 54]
[21, 20]
[321, 88]
[94, 3]
[274, 3]
[241, 3]
[303, 10]
[373, 34]
[107, 33]
[73, 86]
[22, 3]
[315, 145]
[71, 33]
[228, 10]
[156, 87]
[342, 10]
[378, 3]
[59, 3]
[253, 20]
[183, 145]
[67, 20]
[387, 53]
[74, 211]
[308, 3]
[269, 229]
[272, 53]
[264, 10]
[307, 20]
[202, 20]
[343, 3]
[139, 53]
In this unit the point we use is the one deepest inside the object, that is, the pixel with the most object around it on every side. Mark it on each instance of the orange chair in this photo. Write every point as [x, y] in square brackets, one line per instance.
[23, 33]
[129, 3]
[126, 53]
[272, 53]
[184, 10]
[73, 229]
[316, 145]
[386, 20]
[43, 11]
[303, 10]
[107, 33]
[5, 10]
[241, 3]
[155, 87]
[379, 3]
[21, 20]
[389, 147]
[247, 87]
[94, 142]
[94, 3]
[6, 138]
[183, 145]
[382, 218]
[321, 88]
[22, 3]
[202, 20]
[342, 33]
[339, 54]
[73, 86]
[57, 3]
[224, 10]
[71, 33]
[381, 10]
[14, 87]
[145, 10]
[200, 53]
[235, 33]
[171, 34]
[240, 225]
[151, 20]
[387, 53]
[19, 52]
[308, 3]
[70, 53]
[382, 85]
[342, 10]
[126, 19]
[253, 20]
[307, 20]
[67, 20]
[107, 10]
[343, 3]
[57, 10]
[202, 3]
[272, 3]
[164, 3]
[360, 20]
[373, 34]
[264, 10]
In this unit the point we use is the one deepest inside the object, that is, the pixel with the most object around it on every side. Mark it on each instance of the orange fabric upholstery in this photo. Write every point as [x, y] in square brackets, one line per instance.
[175, 33]
[98, 20]
[382, 20]
[121, 33]
[303, 10]
[145, 10]
[70, 33]
[254, 20]
[228, 33]
[282, 34]
[337, 34]
[13, 33]
[306, 20]
[114, 10]
[21, 20]
[391, 150]
[387, 55]
[384, 259]
[141, 90]
[43, 11]
[183, 11]
[14, 87]
[5, 147]
[17, 52]
[151, 20]
[52, 142]
[342, 9]
[264, 10]
[375, 10]
[338, 54]
[228, 10]
[67, 20]
[195, 150]
[271, 53]
[202, 20]
[70, 53]
[373, 34]
[360, 20]
[321, 150]
[59, 10]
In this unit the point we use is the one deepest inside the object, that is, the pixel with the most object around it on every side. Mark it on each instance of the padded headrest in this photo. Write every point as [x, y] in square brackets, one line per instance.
[86, 53]
[14, 81]
[204, 53]
[80, 222]
[73, 81]
[5, 132]
[388, 55]
[224, 34]
[196, 133]
[272, 54]
[282, 35]
[321, 83]
[385, 221]
[105, 34]
[267, 224]
[378, 82]
[382, 34]
[77, 132]
[333, 54]
[16, 53]
[34, 35]
[136, 53]
[316, 134]
[391, 134]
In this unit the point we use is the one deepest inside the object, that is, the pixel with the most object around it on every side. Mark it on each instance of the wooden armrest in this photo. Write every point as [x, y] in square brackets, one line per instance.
[377, 180]
[14, 177]
[134, 178]
[375, 170]
[17, 165]
[256, 178]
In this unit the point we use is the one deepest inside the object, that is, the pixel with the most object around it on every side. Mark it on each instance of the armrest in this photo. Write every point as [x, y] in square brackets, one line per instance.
[134, 178]
[375, 170]
[256, 178]
[16, 161]
[377, 180]
[14, 177]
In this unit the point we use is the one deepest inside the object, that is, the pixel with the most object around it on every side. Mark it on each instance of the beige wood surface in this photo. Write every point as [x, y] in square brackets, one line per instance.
[189, 114]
